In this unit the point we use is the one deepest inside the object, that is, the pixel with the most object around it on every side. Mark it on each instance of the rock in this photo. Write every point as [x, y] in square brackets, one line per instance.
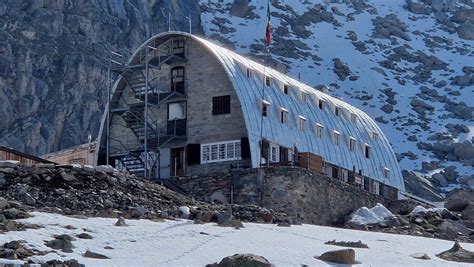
[357, 244]
[58, 263]
[120, 222]
[205, 216]
[9, 164]
[3, 181]
[240, 8]
[136, 212]
[67, 177]
[105, 168]
[3, 203]
[232, 223]
[12, 245]
[466, 30]
[468, 212]
[223, 217]
[419, 186]
[94, 255]
[184, 212]
[387, 108]
[218, 197]
[243, 260]
[456, 204]
[420, 256]
[28, 199]
[457, 253]
[418, 8]
[440, 179]
[343, 256]
[453, 228]
[84, 236]
[62, 242]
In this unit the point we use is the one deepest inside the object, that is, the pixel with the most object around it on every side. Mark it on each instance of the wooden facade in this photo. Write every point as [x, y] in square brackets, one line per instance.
[83, 154]
[11, 154]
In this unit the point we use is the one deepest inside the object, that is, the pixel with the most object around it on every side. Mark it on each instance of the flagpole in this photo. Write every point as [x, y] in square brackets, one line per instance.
[266, 62]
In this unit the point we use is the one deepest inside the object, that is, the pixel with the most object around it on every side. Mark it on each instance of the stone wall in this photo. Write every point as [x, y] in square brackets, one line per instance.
[304, 195]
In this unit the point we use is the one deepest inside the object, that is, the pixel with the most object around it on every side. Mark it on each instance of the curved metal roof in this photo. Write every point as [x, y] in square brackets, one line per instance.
[252, 91]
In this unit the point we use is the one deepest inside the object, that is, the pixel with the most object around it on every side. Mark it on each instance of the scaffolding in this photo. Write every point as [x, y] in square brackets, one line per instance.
[137, 149]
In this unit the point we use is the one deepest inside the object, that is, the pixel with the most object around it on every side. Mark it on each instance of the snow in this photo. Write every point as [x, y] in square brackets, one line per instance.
[421, 210]
[182, 243]
[375, 215]
[328, 42]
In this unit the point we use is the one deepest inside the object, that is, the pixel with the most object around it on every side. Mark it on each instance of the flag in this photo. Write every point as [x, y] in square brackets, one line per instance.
[268, 35]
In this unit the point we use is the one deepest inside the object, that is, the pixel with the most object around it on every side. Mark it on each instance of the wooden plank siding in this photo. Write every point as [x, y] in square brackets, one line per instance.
[10, 154]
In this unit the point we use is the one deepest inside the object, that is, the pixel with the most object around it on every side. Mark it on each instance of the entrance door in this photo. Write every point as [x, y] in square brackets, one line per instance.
[177, 161]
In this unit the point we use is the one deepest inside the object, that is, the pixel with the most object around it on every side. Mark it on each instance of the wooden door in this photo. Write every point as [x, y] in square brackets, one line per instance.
[177, 161]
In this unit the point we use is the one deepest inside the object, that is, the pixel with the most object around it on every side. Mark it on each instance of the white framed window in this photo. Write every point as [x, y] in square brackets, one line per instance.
[367, 151]
[319, 130]
[265, 108]
[352, 143]
[286, 89]
[321, 103]
[290, 154]
[304, 96]
[268, 81]
[337, 111]
[283, 116]
[336, 136]
[353, 117]
[222, 151]
[386, 172]
[301, 123]
[375, 136]
[274, 153]
[249, 73]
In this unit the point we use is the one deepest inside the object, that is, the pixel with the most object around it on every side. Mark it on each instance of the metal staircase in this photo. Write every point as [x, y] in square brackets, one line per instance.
[134, 164]
[135, 120]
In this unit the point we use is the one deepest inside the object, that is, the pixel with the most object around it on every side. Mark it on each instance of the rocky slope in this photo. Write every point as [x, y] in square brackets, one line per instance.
[409, 64]
[53, 63]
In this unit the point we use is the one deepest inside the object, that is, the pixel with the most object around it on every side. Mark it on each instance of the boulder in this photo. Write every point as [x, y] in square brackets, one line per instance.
[418, 8]
[456, 204]
[105, 168]
[343, 256]
[240, 8]
[243, 260]
[62, 242]
[420, 256]
[453, 228]
[468, 212]
[3, 203]
[440, 179]
[184, 212]
[9, 163]
[457, 253]
[94, 255]
[120, 222]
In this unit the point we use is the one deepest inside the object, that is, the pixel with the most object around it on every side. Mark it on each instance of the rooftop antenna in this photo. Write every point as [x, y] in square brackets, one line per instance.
[189, 20]
[169, 21]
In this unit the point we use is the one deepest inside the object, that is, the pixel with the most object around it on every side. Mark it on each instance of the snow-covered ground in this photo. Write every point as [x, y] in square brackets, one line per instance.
[182, 243]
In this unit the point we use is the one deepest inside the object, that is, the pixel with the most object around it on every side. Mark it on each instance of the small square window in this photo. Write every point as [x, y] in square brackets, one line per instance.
[352, 144]
[265, 108]
[375, 136]
[337, 111]
[353, 118]
[274, 153]
[283, 116]
[336, 137]
[304, 96]
[221, 105]
[386, 172]
[367, 151]
[321, 104]
[301, 123]
[249, 73]
[268, 81]
[286, 89]
[319, 130]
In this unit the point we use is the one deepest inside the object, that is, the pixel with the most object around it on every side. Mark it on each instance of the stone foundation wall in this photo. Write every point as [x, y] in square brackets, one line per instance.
[306, 196]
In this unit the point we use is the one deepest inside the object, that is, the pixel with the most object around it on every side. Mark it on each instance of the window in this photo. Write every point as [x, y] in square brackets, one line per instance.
[249, 73]
[336, 137]
[221, 105]
[268, 81]
[353, 117]
[177, 79]
[337, 111]
[301, 123]
[274, 153]
[386, 172]
[367, 151]
[375, 136]
[352, 143]
[178, 46]
[304, 96]
[177, 111]
[283, 116]
[321, 104]
[286, 89]
[290, 154]
[265, 106]
[223, 151]
[319, 130]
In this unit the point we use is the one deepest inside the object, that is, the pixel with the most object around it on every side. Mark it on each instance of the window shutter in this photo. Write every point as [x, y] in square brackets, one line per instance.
[194, 154]
[245, 148]
[265, 149]
[283, 155]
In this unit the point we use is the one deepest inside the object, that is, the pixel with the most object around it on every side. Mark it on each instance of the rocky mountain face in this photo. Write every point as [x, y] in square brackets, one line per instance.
[54, 58]
[407, 63]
